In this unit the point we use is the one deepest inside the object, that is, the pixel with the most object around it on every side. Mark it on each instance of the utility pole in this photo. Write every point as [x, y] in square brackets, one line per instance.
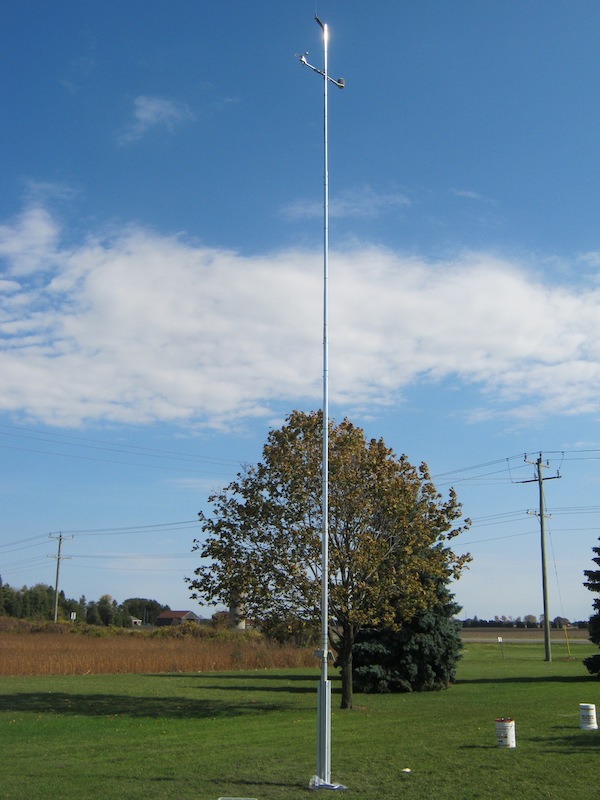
[58, 557]
[539, 479]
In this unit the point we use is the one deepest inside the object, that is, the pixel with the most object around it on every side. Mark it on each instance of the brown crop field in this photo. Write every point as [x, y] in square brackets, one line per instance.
[46, 653]
[61, 650]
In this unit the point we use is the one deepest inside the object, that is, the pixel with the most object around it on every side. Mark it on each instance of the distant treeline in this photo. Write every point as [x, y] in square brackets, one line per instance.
[529, 621]
[37, 603]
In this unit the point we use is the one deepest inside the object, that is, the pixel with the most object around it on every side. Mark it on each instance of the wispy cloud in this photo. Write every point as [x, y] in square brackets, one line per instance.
[153, 112]
[141, 327]
[468, 194]
[79, 71]
[362, 202]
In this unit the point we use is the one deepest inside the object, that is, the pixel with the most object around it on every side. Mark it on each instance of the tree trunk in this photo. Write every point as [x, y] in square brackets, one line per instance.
[345, 661]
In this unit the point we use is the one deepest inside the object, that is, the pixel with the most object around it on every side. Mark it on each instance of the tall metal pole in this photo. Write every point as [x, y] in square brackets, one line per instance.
[324, 726]
[324, 693]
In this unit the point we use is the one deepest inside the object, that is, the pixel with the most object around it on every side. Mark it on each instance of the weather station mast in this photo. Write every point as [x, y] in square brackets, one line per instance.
[322, 779]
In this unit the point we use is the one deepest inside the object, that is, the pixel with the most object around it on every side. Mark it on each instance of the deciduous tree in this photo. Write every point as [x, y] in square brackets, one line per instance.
[388, 527]
[143, 608]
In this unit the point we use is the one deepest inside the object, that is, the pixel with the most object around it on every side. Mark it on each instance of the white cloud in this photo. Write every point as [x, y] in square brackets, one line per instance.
[142, 327]
[29, 243]
[152, 112]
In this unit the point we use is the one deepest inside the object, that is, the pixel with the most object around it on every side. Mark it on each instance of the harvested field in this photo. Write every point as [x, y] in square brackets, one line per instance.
[529, 635]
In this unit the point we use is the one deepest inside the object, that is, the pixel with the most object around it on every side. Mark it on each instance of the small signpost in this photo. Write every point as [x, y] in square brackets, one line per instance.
[501, 645]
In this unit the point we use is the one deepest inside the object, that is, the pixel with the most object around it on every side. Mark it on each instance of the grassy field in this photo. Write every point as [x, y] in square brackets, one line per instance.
[251, 733]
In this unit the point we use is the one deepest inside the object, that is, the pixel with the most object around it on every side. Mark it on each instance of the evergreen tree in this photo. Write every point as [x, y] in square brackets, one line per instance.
[593, 584]
[12, 599]
[92, 616]
[421, 656]
[81, 608]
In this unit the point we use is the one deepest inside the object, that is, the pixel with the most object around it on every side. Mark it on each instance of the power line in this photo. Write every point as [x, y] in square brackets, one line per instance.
[79, 441]
[136, 451]
[496, 538]
[194, 460]
[475, 466]
[114, 461]
[24, 547]
[136, 556]
[507, 461]
[160, 527]
[22, 541]
[131, 569]
[496, 519]
[28, 562]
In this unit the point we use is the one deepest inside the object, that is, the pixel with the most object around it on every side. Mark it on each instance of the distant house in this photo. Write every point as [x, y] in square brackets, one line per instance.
[176, 618]
[136, 622]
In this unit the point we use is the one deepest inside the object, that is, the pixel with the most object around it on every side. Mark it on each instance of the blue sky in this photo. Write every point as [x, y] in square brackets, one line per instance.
[161, 268]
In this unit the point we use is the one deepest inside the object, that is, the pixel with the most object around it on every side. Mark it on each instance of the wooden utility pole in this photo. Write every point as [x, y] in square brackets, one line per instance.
[58, 557]
[540, 481]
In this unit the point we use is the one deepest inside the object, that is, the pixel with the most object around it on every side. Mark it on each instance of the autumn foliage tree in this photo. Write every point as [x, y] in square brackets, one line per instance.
[388, 535]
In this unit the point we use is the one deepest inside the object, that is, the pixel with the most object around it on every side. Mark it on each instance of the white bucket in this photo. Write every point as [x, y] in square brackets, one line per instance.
[587, 717]
[505, 732]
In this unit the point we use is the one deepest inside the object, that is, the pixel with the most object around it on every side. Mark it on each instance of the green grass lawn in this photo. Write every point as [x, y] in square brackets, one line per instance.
[252, 734]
